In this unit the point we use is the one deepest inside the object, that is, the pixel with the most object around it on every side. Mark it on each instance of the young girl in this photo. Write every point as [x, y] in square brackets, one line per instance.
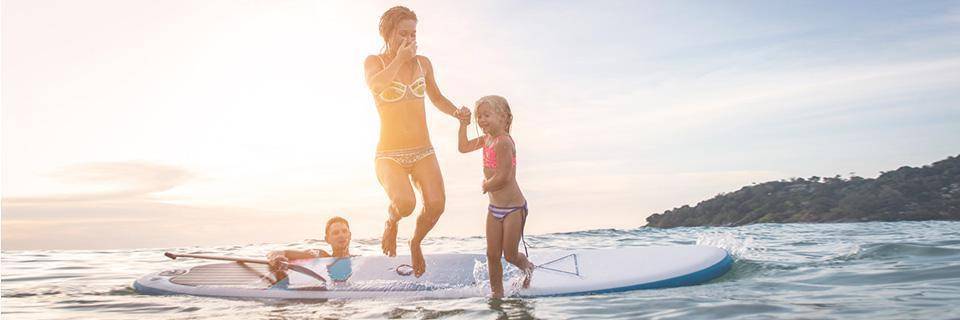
[507, 212]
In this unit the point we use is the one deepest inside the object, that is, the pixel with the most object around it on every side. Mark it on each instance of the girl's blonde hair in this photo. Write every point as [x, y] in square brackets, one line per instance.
[499, 104]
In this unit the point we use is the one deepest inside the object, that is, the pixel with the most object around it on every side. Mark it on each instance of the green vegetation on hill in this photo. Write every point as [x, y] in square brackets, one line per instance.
[931, 192]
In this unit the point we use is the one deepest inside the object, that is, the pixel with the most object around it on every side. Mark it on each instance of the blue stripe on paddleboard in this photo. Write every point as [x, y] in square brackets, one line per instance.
[714, 271]
[151, 290]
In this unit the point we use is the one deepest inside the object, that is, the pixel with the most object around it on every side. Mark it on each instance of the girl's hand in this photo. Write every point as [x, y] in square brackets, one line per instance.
[484, 187]
[407, 50]
[463, 114]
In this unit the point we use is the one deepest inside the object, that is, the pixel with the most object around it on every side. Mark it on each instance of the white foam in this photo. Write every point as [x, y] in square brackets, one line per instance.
[744, 248]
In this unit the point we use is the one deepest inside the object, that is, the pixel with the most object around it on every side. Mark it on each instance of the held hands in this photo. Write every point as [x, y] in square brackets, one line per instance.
[407, 50]
[463, 114]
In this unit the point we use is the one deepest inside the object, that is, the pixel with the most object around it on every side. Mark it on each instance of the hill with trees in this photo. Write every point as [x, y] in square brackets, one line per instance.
[930, 192]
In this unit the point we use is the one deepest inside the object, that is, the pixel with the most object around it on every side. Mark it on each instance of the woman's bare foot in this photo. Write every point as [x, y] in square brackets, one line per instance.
[389, 240]
[416, 255]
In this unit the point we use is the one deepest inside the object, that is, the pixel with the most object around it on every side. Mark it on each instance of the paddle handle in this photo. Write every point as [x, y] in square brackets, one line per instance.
[200, 256]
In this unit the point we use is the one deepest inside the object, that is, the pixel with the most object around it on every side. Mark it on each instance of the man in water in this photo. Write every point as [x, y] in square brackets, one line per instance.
[336, 233]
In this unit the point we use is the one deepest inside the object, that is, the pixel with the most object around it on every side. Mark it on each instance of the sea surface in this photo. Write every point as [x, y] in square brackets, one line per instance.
[875, 270]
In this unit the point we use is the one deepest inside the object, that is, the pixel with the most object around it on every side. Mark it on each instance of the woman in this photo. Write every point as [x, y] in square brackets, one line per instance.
[399, 79]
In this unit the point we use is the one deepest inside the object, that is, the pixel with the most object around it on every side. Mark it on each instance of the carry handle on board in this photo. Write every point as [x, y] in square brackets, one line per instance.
[293, 267]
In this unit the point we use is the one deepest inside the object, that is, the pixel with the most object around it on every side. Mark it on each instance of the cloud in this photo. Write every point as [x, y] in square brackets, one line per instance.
[117, 181]
[951, 17]
[143, 224]
[744, 97]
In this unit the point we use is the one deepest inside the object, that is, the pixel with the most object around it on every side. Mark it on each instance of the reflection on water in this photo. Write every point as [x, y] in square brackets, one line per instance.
[894, 270]
[511, 308]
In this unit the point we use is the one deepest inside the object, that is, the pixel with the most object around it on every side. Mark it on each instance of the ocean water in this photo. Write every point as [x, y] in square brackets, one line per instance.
[876, 270]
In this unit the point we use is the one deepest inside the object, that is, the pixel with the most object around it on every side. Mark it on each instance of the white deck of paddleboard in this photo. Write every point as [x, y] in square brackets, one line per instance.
[574, 272]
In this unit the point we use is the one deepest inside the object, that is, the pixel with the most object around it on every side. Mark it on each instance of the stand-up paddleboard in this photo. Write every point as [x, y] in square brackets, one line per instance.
[558, 273]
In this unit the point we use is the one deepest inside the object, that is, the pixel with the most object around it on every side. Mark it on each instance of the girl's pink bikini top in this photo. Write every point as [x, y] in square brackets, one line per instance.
[490, 155]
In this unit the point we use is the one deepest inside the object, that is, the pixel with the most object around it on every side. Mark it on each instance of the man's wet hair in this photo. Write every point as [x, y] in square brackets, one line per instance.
[333, 220]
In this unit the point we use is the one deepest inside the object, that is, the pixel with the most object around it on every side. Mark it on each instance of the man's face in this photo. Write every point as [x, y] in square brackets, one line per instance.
[338, 235]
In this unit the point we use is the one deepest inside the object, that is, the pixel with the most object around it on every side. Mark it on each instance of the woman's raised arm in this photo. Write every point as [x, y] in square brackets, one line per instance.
[379, 75]
[436, 97]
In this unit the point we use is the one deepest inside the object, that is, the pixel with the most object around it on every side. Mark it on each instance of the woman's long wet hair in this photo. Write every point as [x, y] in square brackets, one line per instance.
[499, 104]
[389, 21]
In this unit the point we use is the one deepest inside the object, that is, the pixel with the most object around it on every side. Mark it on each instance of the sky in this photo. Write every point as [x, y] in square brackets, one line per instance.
[154, 124]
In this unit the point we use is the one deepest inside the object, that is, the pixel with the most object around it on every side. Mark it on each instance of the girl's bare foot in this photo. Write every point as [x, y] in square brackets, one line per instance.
[389, 240]
[416, 255]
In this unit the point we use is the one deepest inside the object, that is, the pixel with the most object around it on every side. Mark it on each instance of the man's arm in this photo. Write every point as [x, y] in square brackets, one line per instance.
[294, 254]
[278, 259]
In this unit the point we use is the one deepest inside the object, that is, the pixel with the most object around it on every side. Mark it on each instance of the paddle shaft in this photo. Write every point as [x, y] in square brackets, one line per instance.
[293, 267]
[200, 256]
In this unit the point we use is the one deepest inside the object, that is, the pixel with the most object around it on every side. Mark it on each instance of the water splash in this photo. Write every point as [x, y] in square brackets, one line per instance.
[743, 248]
[512, 278]
[481, 276]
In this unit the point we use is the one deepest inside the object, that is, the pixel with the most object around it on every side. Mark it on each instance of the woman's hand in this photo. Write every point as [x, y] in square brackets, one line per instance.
[407, 50]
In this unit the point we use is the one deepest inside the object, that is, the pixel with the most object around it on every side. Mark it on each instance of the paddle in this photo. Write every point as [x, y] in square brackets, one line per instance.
[293, 267]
